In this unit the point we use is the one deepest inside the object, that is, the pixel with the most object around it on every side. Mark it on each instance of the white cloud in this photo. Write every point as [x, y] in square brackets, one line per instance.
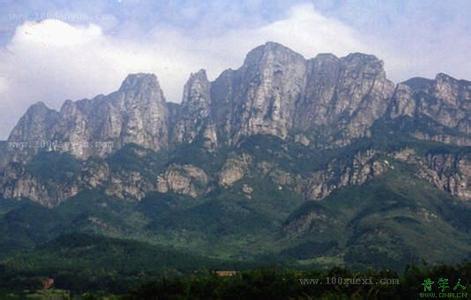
[52, 60]
[3, 85]
[414, 37]
[310, 33]
[55, 33]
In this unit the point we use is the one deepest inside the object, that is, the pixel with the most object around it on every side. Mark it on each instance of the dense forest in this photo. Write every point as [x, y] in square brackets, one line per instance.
[273, 282]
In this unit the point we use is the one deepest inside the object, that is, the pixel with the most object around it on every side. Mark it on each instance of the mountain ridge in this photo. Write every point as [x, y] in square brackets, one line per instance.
[317, 101]
[304, 162]
[323, 104]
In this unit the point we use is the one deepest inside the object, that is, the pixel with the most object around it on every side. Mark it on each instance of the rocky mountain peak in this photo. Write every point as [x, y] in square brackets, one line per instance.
[444, 101]
[325, 57]
[140, 81]
[193, 117]
[198, 76]
[136, 113]
[270, 47]
[38, 107]
[271, 53]
[331, 101]
[141, 91]
[197, 88]
[418, 83]
[321, 103]
[259, 97]
[447, 88]
[35, 124]
[442, 77]
[359, 57]
[364, 64]
[343, 96]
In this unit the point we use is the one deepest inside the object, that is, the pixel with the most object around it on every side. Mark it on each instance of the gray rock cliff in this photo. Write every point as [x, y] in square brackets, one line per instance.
[325, 103]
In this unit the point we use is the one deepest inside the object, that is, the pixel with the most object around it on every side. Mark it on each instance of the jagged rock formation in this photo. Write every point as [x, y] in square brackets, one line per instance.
[260, 97]
[447, 171]
[343, 97]
[363, 167]
[192, 120]
[136, 113]
[17, 183]
[319, 184]
[277, 91]
[321, 103]
[234, 170]
[445, 102]
[185, 180]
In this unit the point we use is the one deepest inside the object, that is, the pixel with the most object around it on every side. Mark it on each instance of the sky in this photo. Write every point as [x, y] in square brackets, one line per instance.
[55, 50]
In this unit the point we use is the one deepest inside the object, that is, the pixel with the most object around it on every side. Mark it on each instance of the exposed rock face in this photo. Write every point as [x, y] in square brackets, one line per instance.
[259, 98]
[277, 90]
[141, 100]
[321, 103]
[35, 125]
[445, 101]
[402, 102]
[317, 185]
[344, 95]
[4, 154]
[33, 131]
[186, 180]
[134, 114]
[18, 183]
[193, 117]
[128, 185]
[234, 170]
[95, 175]
[448, 172]
[363, 167]
[338, 173]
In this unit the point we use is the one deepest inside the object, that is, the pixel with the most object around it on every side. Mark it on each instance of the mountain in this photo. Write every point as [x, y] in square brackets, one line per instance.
[318, 161]
[136, 113]
[441, 106]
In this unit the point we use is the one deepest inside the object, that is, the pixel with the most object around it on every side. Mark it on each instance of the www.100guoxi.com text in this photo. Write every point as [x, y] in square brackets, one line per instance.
[348, 281]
